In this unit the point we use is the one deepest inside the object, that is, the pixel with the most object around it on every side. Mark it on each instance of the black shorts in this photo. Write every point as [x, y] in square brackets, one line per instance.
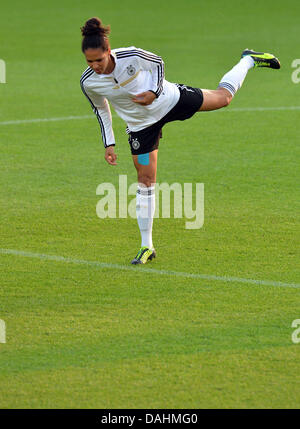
[147, 140]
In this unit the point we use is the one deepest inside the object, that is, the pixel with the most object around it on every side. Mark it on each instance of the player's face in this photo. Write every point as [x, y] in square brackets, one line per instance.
[99, 60]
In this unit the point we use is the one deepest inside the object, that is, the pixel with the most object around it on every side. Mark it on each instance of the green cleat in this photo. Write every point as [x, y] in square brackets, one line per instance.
[144, 254]
[262, 59]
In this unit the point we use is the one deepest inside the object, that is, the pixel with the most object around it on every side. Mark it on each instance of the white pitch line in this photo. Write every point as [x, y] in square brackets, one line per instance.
[259, 109]
[69, 118]
[143, 269]
[32, 121]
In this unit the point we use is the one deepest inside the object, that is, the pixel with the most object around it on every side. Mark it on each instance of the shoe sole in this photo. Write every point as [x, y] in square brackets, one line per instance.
[151, 257]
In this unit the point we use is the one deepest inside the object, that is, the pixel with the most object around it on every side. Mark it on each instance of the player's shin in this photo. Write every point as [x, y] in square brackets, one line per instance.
[233, 80]
[145, 207]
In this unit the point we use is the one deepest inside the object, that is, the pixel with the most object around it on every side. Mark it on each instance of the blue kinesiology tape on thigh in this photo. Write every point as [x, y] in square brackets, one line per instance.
[144, 159]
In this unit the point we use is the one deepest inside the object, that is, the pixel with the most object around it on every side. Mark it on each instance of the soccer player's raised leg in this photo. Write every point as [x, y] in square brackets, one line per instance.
[233, 80]
[146, 166]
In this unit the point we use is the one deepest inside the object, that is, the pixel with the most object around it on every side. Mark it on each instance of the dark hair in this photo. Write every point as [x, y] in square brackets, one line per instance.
[95, 35]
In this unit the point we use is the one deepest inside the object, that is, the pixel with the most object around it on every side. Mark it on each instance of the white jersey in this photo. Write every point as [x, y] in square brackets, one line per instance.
[135, 71]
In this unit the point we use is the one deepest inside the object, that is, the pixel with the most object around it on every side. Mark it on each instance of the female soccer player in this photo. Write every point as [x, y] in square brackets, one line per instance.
[132, 80]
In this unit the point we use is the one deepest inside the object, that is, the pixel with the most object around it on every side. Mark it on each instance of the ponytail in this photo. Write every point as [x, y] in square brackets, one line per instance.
[95, 35]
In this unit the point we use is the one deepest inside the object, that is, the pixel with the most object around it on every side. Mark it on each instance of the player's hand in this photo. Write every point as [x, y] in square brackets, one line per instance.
[110, 155]
[144, 98]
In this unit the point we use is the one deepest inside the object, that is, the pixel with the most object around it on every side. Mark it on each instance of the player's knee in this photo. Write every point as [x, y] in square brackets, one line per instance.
[226, 100]
[146, 179]
[224, 97]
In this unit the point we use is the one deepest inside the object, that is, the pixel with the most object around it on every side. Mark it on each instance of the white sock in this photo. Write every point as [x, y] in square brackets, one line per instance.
[233, 80]
[145, 207]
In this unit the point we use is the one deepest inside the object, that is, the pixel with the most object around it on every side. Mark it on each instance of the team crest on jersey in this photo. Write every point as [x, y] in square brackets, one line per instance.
[135, 144]
[130, 70]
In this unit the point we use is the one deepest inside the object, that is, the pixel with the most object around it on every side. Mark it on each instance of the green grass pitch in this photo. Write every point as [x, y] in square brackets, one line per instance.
[88, 336]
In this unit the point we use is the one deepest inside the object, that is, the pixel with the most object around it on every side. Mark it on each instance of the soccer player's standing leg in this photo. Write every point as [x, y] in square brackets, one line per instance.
[146, 166]
[233, 80]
